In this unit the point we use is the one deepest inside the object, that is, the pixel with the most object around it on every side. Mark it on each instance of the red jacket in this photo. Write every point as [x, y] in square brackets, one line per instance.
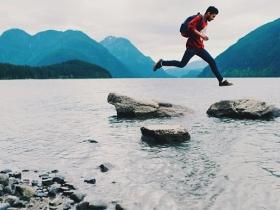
[194, 40]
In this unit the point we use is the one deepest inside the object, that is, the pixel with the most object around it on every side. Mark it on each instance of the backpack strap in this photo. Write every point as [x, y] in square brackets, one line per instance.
[200, 22]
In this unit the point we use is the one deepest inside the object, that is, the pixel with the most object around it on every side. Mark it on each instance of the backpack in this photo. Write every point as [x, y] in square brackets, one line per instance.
[184, 29]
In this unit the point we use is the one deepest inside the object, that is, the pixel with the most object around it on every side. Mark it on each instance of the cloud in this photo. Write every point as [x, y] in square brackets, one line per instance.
[153, 26]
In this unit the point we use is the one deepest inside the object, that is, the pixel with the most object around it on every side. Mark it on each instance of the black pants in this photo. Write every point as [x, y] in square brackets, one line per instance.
[189, 53]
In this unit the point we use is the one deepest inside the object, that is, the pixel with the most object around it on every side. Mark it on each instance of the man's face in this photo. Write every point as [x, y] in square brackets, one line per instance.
[210, 16]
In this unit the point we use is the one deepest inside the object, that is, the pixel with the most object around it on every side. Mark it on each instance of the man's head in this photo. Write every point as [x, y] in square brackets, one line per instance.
[211, 13]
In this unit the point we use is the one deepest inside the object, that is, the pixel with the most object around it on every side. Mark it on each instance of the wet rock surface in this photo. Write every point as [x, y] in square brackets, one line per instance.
[165, 134]
[243, 109]
[127, 107]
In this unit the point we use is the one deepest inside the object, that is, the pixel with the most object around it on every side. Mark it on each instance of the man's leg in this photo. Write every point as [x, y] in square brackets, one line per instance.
[212, 63]
[189, 53]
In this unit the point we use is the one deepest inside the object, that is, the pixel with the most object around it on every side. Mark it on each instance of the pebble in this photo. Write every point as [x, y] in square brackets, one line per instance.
[77, 196]
[119, 207]
[47, 182]
[90, 181]
[59, 179]
[103, 168]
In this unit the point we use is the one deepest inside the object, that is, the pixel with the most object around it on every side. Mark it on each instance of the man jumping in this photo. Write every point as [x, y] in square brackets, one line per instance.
[197, 27]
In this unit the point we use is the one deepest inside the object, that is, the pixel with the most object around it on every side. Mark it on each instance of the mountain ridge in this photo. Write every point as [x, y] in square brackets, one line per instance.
[254, 55]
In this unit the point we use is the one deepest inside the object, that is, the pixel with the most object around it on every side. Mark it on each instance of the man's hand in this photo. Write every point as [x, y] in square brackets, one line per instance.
[204, 37]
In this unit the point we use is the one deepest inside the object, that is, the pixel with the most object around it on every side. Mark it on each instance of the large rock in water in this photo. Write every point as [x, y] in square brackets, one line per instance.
[169, 134]
[243, 109]
[130, 108]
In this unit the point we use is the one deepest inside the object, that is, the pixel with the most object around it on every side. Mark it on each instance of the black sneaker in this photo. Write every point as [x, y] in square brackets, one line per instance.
[225, 83]
[157, 65]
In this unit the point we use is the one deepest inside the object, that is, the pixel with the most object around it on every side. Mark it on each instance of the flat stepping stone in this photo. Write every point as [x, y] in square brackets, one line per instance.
[243, 109]
[165, 134]
[127, 107]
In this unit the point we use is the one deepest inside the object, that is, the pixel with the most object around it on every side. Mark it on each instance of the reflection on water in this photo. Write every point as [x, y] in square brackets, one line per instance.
[227, 164]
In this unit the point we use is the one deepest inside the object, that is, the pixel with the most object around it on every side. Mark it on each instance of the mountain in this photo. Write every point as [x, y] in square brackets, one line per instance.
[69, 69]
[51, 47]
[131, 57]
[191, 70]
[254, 55]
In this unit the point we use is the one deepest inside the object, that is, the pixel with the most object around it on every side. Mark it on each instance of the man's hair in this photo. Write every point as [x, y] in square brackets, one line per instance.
[212, 10]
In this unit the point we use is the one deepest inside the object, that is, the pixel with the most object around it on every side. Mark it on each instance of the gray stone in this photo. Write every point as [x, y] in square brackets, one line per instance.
[47, 182]
[35, 183]
[92, 141]
[130, 108]
[119, 207]
[16, 175]
[59, 179]
[8, 190]
[70, 186]
[56, 202]
[83, 206]
[4, 179]
[103, 168]
[4, 206]
[26, 181]
[20, 204]
[66, 205]
[68, 192]
[90, 181]
[25, 191]
[54, 190]
[41, 194]
[44, 176]
[243, 109]
[6, 171]
[62, 189]
[97, 205]
[11, 199]
[13, 181]
[1, 190]
[163, 134]
[77, 196]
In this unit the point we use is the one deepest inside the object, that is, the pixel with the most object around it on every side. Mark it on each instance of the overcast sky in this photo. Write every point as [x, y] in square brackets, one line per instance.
[151, 25]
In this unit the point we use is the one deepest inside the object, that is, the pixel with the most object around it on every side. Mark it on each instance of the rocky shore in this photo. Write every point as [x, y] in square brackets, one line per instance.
[34, 190]
[44, 191]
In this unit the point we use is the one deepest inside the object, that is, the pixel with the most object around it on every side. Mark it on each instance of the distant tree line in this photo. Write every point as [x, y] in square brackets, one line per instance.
[70, 69]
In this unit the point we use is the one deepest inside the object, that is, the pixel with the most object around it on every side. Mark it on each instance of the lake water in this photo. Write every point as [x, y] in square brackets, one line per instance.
[227, 164]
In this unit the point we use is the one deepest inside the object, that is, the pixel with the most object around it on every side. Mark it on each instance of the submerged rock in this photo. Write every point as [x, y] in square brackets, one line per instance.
[243, 109]
[130, 108]
[165, 134]
[90, 180]
[103, 168]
